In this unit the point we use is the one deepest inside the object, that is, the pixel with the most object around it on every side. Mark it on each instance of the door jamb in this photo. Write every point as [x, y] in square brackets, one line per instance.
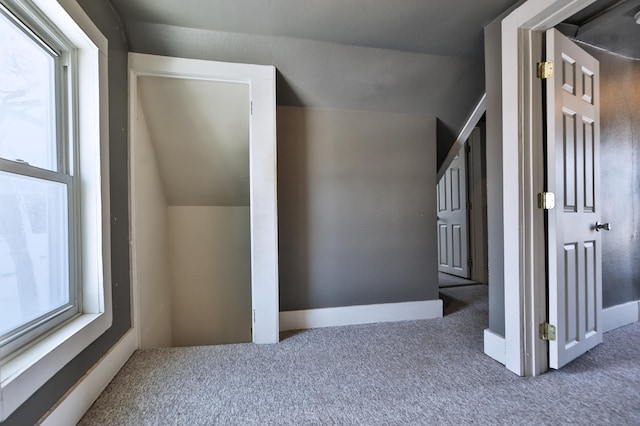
[477, 218]
[524, 276]
[263, 188]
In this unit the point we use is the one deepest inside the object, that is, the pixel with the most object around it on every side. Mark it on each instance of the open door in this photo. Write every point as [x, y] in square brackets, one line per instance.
[573, 175]
[452, 218]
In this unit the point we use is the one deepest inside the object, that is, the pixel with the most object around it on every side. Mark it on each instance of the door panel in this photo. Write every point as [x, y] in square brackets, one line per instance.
[569, 154]
[575, 277]
[452, 219]
[457, 245]
[443, 251]
[442, 195]
[454, 177]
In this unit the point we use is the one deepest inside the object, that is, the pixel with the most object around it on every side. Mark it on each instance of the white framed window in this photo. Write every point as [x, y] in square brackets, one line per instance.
[38, 224]
[55, 290]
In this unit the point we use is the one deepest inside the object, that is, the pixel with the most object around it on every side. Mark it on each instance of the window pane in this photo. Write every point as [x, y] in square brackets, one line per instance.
[27, 99]
[34, 250]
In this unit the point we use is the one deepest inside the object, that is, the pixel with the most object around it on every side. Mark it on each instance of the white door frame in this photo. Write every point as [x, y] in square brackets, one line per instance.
[524, 274]
[263, 190]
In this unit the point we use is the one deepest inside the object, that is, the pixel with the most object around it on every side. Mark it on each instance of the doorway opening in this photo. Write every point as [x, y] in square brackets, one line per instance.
[191, 174]
[203, 202]
[461, 216]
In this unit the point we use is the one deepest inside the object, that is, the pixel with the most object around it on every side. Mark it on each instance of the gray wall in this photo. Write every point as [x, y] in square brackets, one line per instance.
[327, 75]
[51, 392]
[620, 176]
[356, 206]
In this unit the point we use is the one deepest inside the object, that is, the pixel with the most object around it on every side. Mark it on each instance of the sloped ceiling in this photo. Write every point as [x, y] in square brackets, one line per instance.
[608, 24]
[200, 135]
[413, 56]
[408, 56]
[436, 27]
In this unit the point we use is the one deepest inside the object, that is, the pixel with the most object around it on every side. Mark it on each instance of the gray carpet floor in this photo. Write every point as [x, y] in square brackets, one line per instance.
[429, 372]
[448, 280]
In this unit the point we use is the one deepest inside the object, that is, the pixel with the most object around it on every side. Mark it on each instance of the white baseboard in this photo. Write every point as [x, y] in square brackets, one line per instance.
[72, 406]
[619, 315]
[362, 314]
[495, 346]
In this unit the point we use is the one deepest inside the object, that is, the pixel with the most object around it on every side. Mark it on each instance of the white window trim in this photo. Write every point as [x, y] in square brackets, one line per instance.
[23, 375]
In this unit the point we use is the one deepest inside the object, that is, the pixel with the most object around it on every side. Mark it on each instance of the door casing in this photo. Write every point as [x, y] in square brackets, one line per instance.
[524, 274]
[477, 195]
[263, 185]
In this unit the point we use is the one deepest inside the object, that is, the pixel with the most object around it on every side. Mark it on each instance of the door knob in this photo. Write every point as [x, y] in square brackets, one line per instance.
[605, 226]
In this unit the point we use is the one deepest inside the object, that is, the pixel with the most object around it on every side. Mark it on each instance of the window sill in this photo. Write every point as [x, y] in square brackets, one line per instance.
[22, 375]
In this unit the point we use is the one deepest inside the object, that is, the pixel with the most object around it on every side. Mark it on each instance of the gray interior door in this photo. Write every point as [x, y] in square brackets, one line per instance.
[573, 174]
[452, 219]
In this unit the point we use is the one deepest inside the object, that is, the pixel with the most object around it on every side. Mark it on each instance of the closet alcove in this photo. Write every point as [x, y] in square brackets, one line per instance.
[203, 246]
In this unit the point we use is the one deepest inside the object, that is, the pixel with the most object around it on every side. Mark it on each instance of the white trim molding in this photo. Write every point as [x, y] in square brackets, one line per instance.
[361, 314]
[620, 315]
[77, 401]
[261, 80]
[469, 125]
[25, 373]
[495, 346]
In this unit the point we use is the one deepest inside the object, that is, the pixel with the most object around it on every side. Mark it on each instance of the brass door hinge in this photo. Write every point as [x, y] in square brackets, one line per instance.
[546, 200]
[547, 331]
[468, 205]
[545, 69]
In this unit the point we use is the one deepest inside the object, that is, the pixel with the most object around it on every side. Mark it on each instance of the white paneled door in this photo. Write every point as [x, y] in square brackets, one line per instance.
[452, 218]
[573, 174]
